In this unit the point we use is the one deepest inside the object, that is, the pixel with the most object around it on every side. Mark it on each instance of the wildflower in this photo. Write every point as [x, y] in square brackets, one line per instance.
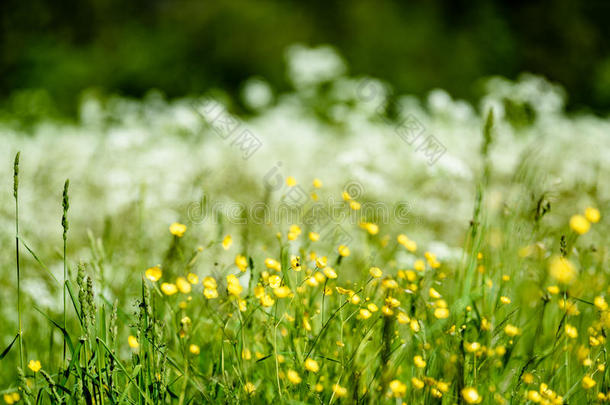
[600, 303]
[210, 293]
[472, 347]
[183, 285]
[133, 342]
[330, 272]
[419, 361]
[419, 265]
[314, 236]
[553, 289]
[274, 281]
[511, 330]
[343, 251]
[317, 183]
[562, 270]
[370, 227]
[321, 262]
[233, 286]
[355, 205]
[375, 272]
[312, 365]
[471, 395]
[441, 313]
[241, 262]
[434, 294]
[387, 310]
[153, 273]
[291, 181]
[534, 396]
[242, 305]
[354, 299]
[414, 325]
[398, 388]
[409, 244]
[339, 390]
[282, 292]
[246, 354]
[192, 278]
[579, 224]
[295, 263]
[372, 307]
[403, 318]
[294, 377]
[34, 365]
[273, 264]
[588, 382]
[194, 349]
[504, 300]
[592, 215]
[417, 383]
[169, 288]
[227, 242]
[266, 300]
[571, 331]
[177, 229]
[250, 388]
[364, 313]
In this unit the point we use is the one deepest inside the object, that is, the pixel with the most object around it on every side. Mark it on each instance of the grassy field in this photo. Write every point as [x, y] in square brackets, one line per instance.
[169, 270]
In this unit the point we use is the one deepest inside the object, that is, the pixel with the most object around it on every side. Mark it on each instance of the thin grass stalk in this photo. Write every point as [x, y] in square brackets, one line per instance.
[16, 195]
[64, 224]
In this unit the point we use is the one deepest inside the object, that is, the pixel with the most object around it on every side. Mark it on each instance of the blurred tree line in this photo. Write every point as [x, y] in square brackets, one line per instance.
[184, 47]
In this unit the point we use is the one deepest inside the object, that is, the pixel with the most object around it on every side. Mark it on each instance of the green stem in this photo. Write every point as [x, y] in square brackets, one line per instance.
[16, 195]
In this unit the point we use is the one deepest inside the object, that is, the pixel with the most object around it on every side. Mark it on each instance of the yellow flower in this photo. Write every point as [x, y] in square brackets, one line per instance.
[472, 347]
[553, 289]
[210, 293]
[153, 273]
[330, 272]
[409, 244]
[471, 395]
[177, 229]
[183, 285]
[562, 270]
[169, 288]
[364, 313]
[133, 342]
[34, 365]
[441, 313]
[419, 265]
[227, 242]
[403, 318]
[274, 281]
[233, 286]
[370, 227]
[266, 300]
[375, 272]
[504, 300]
[414, 325]
[419, 361]
[592, 215]
[579, 224]
[434, 294]
[417, 383]
[192, 278]
[209, 282]
[295, 263]
[250, 388]
[12, 398]
[314, 236]
[312, 365]
[600, 303]
[294, 377]
[534, 396]
[317, 183]
[273, 264]
[282, 292]
[291, 181]
[343, 251]
[355, 205]
[321, 262]
[194, 349]
[588, 382]
[398, 388]
[372, 307]
[241, 262]
[354, 299]
[511, 330]
[339, 390]
[571, 331]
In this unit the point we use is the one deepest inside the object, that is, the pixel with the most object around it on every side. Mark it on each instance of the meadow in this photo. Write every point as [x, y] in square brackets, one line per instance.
[335, 244]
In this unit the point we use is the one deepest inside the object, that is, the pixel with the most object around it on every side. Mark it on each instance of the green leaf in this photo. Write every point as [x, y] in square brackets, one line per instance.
[8, 349]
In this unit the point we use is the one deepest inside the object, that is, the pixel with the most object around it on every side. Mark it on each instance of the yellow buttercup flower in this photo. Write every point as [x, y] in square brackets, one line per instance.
[505, 300]
[339, 390]
[375, 272]
[314, 236]
[441, 313]
[177, 229]
[434, 294]
[579, 224]
[250, 388]
[317, 183]
[133, 342]
[471, 395]
[282, 292]
[312, 365]
[227, 242]
[194, 349]
[364, 313]
[210, 293]
[295, 263]
[343, 251]
[183, 285]
[321, 262]
[330, 272]
[512, 330]
[571, 331]
[241, 262]
[417, 383]
[588, 382]
[419, 361]
[294, 377]
[266, 300]
[153, 273]
[398, 388]
[209, 282]
[592, 215]
[169, 288]
[291, 181]
[34, 365]
[562, 270]
[192, 278]
[233, 286]
[355, 205]
[273, 264]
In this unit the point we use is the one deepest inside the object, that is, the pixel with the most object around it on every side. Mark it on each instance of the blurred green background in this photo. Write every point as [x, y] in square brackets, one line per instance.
[50, 51]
